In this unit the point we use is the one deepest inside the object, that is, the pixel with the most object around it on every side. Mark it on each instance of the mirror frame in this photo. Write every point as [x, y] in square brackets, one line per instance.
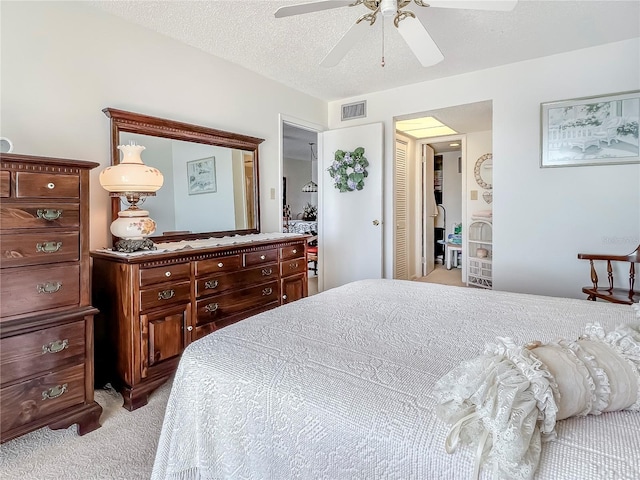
[476, 171]
[123, 121]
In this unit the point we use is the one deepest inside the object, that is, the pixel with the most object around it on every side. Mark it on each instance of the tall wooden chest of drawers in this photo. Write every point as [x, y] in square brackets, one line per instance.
[154, 304]
[46, 317]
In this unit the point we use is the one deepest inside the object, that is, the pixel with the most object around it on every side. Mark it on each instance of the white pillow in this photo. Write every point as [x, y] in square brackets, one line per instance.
[507, 401]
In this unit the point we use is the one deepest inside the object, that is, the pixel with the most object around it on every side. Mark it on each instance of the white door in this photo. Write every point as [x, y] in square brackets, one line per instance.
[350, 223]
[429, 210]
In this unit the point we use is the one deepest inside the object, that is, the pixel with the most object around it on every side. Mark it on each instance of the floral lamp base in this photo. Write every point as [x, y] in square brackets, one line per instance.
[132, 227]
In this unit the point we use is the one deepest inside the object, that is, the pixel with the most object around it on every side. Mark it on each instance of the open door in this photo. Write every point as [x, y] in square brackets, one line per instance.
[429, 211]
[350, 223]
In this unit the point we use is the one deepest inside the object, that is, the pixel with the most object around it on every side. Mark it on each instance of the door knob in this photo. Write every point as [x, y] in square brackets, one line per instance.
[376, 223]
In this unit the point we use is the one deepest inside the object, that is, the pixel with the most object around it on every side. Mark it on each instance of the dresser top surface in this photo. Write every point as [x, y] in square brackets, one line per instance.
[194, 249]
[8, 159]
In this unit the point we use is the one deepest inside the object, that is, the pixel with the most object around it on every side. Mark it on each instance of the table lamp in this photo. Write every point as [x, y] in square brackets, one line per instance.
[132, 181]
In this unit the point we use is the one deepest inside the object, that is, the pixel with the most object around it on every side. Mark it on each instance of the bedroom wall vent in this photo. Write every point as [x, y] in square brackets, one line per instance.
[354, 110]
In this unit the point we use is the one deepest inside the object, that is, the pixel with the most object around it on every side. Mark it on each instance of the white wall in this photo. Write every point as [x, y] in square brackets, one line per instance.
[63, 62]
[542, 217]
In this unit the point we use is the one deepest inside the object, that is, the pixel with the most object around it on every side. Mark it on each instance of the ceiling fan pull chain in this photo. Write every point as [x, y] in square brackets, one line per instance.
[382, 63]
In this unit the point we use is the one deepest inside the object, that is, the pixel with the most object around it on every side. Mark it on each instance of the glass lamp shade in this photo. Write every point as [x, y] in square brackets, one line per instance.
[131, 175]
[310, 187]
[133, 224]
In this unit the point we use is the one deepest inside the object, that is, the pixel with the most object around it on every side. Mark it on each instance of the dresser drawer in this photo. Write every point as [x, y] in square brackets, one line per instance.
[259, 258]
[47, 185]
[39, 215]
[292, 251]
[5, 184]
[293, 266]
[215, 284]
[166, 294]
[32, 289]
[210, 327]
[169, 273]
[216, 308]
[41, 351]
[38, 248]
[218, 265]
[34, 399]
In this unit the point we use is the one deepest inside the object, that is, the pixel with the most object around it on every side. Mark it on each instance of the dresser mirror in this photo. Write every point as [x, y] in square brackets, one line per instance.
[211, 183]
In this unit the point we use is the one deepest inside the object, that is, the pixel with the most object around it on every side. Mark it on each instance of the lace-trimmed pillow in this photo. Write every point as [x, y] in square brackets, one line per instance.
[508, 400]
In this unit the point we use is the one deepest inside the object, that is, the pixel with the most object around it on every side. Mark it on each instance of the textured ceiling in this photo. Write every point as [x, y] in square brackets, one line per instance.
[289, 49]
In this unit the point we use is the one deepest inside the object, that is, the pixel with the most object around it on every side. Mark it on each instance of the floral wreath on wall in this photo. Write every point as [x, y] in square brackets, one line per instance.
[349, 169]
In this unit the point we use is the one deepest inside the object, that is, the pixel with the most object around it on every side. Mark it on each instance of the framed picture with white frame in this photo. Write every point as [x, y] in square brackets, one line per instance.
[598, 130]
[201, 176]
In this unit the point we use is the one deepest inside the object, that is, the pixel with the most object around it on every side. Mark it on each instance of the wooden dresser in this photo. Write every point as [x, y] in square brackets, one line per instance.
[46, 317]
[153, 305]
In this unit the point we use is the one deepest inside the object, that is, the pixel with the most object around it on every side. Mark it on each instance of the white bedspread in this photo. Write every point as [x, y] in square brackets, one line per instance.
[338, 386]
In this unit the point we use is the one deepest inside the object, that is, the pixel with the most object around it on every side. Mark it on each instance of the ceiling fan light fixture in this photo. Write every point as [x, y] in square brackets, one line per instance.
[388, 8]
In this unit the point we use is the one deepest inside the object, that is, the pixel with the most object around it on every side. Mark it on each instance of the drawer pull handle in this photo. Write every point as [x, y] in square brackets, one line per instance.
[220, 264]
[49, 214]
[49, 287]
[212, 307]
[51, 185]
[293, 265]
[262, 257]
[267, 291]
[284, 297]
[189, 328]
[54, 392]
[55, 347]
[48, 247]
[295, 251]
[210, 284]
[266, 272]
[167, 274]
[166, 294]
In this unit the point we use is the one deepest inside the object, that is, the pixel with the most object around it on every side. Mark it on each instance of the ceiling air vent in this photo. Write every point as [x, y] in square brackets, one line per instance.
[354, 110]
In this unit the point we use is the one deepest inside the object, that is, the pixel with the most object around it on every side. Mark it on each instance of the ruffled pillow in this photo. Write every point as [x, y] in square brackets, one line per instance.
[508, 400]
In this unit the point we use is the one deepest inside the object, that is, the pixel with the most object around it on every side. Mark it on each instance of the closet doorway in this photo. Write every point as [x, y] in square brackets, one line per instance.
[447, 229]
[419, 223]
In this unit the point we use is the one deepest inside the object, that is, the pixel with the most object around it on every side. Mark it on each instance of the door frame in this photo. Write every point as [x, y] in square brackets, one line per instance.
[462, 138]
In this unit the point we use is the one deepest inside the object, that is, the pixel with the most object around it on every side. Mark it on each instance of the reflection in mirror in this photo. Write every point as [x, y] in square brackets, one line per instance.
[483, 171]
[210, 176]
[204, 187]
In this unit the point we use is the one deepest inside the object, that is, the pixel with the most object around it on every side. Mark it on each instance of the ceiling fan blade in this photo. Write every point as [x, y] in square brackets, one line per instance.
[420, 42]
[348, 40]
[498, 5]
[310, 7]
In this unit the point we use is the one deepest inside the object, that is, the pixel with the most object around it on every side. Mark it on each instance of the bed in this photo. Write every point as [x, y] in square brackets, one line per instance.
[339, 386]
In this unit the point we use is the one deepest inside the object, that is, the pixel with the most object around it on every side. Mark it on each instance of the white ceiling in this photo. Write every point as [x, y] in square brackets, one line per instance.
[289, 49]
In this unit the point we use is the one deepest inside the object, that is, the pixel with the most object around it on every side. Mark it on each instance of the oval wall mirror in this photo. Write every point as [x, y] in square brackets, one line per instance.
[483, 171]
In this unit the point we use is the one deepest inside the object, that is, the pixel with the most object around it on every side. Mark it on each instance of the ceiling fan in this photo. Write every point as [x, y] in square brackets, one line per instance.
[411, 29]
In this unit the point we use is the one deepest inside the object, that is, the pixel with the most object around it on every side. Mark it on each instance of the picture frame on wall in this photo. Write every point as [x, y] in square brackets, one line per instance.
[597, 130]
[201, 176]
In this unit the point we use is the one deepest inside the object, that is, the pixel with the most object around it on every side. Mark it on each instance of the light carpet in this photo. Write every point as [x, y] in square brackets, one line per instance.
[123, 448]
[444, 277]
